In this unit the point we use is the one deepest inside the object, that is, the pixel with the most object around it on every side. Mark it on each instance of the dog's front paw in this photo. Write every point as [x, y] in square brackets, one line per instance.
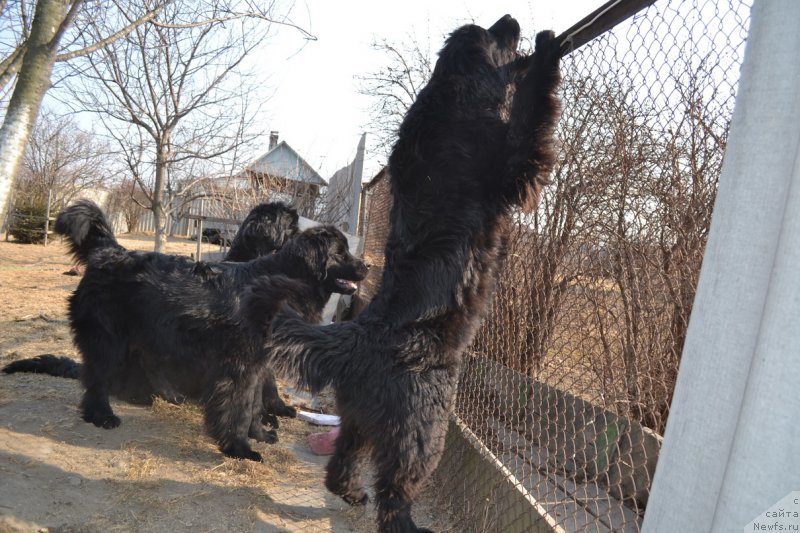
[241, 450]
[270, 420]
[261, 434]
[173, 397]
[547, 47]
[254, 456]
[270, 416]
[103, 421]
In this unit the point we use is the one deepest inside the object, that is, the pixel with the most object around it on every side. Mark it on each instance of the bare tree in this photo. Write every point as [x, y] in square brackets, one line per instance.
[126, 200]
[37, 42]
[394, 87]
[603, 275]
[174, 96]
[61, 160]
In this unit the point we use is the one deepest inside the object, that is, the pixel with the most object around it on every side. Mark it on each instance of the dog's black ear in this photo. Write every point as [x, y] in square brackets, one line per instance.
[326, 235]
[329, 234]
[313, 249]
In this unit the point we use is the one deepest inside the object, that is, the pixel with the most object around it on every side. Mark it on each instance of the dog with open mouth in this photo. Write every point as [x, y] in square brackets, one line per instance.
[148, 323]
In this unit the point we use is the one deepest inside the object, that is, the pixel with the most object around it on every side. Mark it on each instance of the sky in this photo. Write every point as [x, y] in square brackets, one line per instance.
[314, 103]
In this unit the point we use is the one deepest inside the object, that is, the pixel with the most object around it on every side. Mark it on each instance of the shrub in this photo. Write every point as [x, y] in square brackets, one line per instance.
[28, 223]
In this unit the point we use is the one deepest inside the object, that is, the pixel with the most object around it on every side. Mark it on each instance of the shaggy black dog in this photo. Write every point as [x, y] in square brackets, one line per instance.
[267, 227]
[477, 143]
[148, 323]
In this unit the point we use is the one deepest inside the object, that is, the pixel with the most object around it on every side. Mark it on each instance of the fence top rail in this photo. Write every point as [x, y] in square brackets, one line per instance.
[205, 218]
[19, 215]
[600, 21]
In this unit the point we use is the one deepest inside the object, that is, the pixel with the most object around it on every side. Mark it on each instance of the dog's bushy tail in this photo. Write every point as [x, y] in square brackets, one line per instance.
[86, 229]
[316, 356]
[54, 365]
[312, 355]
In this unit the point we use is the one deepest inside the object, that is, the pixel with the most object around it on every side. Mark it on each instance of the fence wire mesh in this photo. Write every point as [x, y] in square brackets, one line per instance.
[565, 392]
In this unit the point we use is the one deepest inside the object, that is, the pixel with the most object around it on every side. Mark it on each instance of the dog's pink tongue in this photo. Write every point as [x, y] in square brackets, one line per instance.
[348, 284]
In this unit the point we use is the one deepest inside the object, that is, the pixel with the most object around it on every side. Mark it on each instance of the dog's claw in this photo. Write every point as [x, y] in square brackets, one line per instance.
[356, 500]
[264, 435]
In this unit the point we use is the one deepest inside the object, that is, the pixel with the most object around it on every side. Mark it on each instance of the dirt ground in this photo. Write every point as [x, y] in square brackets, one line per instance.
[158, 471]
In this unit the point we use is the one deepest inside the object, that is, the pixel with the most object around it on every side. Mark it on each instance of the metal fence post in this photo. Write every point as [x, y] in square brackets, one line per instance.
[47, 216]
[199, 254]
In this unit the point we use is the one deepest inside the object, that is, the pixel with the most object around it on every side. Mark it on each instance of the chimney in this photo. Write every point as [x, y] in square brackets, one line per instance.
[273, 139]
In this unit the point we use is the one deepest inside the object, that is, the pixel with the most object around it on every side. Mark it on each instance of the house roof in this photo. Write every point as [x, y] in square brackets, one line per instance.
[284, 161]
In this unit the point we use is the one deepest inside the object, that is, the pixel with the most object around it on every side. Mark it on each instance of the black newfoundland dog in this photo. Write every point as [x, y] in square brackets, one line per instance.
[477, 143]
[265, 230]
[267, 227]
[148, 323]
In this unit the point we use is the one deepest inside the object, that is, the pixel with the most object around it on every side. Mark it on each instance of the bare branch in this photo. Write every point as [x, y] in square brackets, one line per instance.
[147, 17]
[10, 66]
[236, 16]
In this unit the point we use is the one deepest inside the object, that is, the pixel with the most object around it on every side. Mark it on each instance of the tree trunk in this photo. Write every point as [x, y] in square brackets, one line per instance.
[32, 83]
[157, 202]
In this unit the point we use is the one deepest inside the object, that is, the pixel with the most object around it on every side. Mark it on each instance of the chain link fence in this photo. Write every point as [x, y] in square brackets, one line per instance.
[565, 392]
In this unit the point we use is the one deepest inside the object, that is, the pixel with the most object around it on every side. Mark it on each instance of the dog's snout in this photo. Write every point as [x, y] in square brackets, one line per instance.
[506, 28]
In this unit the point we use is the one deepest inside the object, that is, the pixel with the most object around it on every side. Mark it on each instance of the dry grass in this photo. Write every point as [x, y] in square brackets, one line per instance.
[6, 396]
[140, 464]
[159, 471]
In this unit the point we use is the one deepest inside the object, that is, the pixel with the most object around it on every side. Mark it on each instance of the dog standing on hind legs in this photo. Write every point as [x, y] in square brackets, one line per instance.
[477, 143]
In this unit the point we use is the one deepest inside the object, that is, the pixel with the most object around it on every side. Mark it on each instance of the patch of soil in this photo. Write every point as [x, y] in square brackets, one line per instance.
[158, 471]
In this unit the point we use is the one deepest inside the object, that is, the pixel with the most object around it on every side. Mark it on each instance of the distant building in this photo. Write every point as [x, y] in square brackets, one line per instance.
[281, 174]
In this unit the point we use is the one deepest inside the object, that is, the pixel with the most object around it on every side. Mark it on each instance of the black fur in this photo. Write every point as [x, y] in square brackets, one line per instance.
[477, 143]
[266, 229]
[148, 322]
[54, 365]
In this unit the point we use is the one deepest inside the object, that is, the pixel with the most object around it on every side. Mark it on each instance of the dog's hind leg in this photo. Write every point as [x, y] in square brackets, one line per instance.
[96, 407]
[101, 355]
[343, 473]
[229, 413]
[396, 486]
[257, 430]
[404, 463]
